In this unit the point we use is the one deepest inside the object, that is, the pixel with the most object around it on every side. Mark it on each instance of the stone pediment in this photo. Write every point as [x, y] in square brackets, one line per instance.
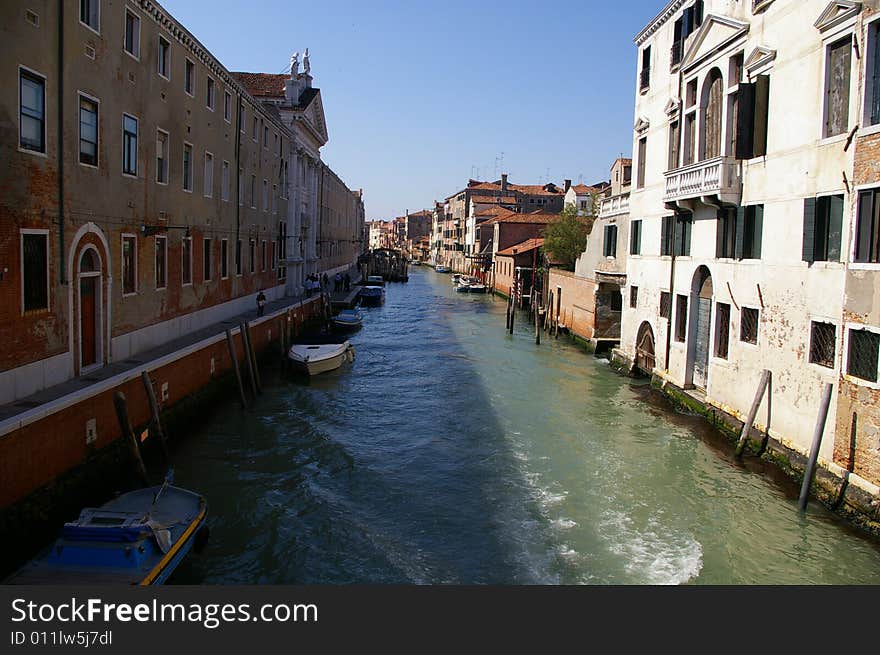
[758, 58]
[672, 107]
[715, 34]
[836, 13]
[642, 125]
[314, 116]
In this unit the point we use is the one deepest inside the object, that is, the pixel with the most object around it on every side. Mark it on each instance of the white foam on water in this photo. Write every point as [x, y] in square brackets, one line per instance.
[566, 551]
[653, 553]
[563, 523]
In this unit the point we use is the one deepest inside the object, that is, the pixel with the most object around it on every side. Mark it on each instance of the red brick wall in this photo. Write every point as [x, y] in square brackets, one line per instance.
[41, 451]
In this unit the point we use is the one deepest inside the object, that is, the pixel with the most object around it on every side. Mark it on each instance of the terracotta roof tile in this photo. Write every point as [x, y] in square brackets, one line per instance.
[526, 246]
[262, 84]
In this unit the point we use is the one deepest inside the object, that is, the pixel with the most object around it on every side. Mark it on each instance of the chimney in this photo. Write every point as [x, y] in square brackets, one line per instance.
[504, 183]
[567, 185]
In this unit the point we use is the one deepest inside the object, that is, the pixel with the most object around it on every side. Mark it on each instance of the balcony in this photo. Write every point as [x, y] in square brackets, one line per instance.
[614, 206]
[718, 177]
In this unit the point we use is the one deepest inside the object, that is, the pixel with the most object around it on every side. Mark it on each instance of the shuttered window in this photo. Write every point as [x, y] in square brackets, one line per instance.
[823, 224]
[674, 144]
[873, 84]
[635, 238]
[753, 106]
[129, 264]
[681, 306]
[640, 178]
[837, 82]
[667, 235]
[206, 259]
[749, 231]
[683, 225]
[610, 244]
[725, 237]
[712, 121]
[868, 227]
[665, 304]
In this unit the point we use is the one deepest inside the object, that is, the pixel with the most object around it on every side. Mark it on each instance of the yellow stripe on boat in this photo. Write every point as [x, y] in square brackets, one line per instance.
[177, 546]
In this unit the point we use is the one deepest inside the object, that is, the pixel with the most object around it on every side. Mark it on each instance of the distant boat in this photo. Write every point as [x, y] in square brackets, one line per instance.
[137, 538]
[476, 287]
[372, 296]
[442, 269]
[416, 262]
[348, 319]
[314, 359]
[375, 281]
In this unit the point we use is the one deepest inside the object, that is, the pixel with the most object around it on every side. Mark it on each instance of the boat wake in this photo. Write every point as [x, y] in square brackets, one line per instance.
[653, 553]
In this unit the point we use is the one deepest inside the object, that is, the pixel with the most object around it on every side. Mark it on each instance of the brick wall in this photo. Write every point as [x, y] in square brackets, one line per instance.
[37, 453]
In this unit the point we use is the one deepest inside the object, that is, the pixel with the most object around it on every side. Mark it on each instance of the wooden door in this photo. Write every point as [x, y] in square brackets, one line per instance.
[87, 317]
[701, 353]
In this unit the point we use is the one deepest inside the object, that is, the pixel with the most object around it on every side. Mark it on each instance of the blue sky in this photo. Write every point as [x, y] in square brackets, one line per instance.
[419, 95]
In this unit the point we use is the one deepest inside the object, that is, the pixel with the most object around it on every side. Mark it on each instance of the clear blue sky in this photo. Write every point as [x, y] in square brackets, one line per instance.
[418, 95]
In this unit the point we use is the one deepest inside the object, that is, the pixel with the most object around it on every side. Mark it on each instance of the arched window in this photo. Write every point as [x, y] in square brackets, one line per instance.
[713, 97]
[88, 263]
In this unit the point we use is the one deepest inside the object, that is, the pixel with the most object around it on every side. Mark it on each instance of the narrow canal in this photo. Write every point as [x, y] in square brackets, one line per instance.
[452, 453]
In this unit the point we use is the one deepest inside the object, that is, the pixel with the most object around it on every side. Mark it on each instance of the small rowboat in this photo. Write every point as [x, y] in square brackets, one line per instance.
[348, 319]
[137, 538]
[372, 296]
[314, 359]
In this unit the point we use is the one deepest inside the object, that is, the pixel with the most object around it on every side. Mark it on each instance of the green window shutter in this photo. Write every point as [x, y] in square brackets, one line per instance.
[745, 120]
[863, 226]
[687, 225]
[679, 236]
[740, 225]
[759, 231]
[761, 116]
[719, 233]
[835, 228]
[809, 230]
[605, 243]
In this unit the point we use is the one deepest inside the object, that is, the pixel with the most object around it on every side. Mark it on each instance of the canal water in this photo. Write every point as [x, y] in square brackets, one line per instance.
[450, 452]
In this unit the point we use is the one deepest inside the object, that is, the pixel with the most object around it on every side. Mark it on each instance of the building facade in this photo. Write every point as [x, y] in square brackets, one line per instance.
[745, 196]
[144, 189]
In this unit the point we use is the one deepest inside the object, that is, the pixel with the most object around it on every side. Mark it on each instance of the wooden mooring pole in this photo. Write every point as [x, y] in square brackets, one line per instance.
[753, 411]
[247, 358]
[230, 344]
[810, 471]
[128, 434]
[154, 412]
[247, 327]
[536, 302]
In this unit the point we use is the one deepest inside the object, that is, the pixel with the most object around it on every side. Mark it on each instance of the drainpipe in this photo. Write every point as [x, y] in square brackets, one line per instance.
[60, 141]
[239, 127]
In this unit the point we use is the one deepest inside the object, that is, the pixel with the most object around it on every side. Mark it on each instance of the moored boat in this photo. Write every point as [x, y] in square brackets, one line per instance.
[137, 538]
[314, 359]
[442, 269]
[372, 296]
[476, 287]
[462, 287]
[348, 319]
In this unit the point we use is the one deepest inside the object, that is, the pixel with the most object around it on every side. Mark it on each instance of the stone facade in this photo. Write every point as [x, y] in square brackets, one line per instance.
[124, 186]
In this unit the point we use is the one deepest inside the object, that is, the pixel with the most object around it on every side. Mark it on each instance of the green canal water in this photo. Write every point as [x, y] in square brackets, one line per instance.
[450, 452]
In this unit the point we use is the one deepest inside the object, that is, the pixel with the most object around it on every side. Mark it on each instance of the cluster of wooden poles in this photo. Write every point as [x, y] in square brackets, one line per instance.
[542, 318]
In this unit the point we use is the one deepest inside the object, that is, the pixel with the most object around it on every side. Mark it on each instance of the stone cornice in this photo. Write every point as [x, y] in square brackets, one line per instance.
[658, 21]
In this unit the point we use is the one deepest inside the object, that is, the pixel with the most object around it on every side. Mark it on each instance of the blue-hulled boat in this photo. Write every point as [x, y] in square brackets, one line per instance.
[138, 538]
[348, 320]
[372, 296]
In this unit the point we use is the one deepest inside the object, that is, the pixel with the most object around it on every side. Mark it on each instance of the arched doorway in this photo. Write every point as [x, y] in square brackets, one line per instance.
[712, 106]
[645, 361]
[90, 309]
[701, 322]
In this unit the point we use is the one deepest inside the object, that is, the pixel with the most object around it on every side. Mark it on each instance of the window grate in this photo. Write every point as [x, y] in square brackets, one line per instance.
[665, 304]
[822, 343]
[864, 347]
[748, 331]
[633, 297]
[722, 330]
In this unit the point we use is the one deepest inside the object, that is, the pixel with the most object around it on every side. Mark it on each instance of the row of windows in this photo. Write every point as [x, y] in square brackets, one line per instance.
[267, 254]
[739, 231]
[863, 352]
[32, 137]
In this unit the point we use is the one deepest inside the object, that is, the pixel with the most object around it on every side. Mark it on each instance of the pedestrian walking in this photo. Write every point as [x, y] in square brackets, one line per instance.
[347, 281]
[325, 281]
[261, 302]
[337, 283]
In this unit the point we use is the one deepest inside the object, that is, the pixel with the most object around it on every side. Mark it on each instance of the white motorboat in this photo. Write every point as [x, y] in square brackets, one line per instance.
[320, 358]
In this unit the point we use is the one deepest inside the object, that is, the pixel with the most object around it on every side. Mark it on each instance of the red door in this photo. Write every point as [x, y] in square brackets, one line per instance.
[87, 320]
